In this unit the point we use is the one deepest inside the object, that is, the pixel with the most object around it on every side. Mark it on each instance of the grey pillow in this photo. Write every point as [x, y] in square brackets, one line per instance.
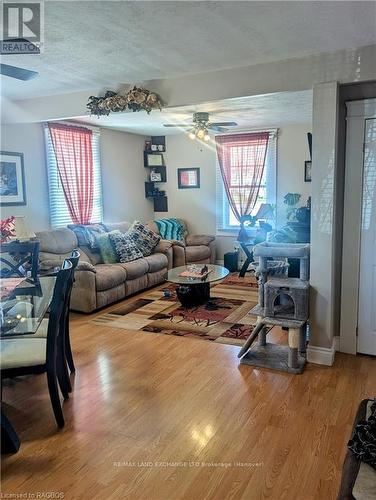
[145, 239]
[125, 247]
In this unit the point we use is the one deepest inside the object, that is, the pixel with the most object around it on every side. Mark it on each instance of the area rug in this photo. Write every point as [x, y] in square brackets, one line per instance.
[224, 319]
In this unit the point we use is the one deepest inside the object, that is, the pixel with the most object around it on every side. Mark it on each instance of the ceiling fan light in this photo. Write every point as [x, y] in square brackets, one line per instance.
[200, 133]
[206, 137]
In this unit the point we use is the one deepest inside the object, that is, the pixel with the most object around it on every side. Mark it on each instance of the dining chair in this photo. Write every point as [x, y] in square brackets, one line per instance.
[43, 327]
[23, 356]
[19, 259]
[74, 259]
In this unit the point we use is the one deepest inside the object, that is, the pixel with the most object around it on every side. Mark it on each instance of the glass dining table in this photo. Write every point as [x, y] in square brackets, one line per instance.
[23, 305]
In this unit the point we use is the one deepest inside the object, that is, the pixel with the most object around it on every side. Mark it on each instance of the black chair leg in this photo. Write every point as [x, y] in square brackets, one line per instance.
[68, 349]
[55, 399]
[62, 373]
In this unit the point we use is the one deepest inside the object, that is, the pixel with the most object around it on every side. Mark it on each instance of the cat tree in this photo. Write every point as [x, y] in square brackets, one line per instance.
[283, 302]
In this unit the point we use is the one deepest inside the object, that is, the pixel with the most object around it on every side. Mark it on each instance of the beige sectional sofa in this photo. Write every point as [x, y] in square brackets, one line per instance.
[98, 284]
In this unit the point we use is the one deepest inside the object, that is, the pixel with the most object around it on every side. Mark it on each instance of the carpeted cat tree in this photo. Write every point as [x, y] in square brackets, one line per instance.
[283, 302]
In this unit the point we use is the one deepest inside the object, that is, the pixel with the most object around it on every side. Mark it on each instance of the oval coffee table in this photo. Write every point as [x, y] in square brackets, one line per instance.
[195, 291]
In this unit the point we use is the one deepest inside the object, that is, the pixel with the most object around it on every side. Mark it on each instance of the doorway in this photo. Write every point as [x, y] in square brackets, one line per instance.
[358, 297]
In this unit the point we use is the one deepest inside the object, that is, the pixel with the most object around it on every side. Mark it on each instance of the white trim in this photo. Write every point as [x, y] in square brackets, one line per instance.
[321, 355]
[336, 342]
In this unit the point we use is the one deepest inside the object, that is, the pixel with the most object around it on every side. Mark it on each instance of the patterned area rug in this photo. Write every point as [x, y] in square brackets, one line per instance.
[224, 319]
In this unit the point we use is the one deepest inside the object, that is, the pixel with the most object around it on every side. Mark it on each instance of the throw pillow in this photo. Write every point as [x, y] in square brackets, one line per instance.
[107, 248]
[126, 248]
[145, 239]
[87, 233]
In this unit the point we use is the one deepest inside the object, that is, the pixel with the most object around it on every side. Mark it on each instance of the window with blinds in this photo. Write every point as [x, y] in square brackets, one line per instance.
[59, 213]
[226, 220]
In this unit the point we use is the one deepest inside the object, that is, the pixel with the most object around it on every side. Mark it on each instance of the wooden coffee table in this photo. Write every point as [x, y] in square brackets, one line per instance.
[195, 291]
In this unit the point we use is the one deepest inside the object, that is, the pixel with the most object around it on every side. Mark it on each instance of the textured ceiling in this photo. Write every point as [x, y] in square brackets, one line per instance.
[271, 110]
[108, 44]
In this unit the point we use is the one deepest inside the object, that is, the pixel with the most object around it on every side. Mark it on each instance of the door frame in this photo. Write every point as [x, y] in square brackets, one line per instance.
[357, 113]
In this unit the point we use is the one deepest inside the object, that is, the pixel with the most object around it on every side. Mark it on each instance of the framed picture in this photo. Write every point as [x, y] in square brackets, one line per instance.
[155, 176]
[307, 170]
[12, 179]
[188, 178]
[153, 160]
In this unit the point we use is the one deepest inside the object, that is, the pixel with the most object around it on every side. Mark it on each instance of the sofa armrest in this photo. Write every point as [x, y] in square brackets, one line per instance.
[199, 239]
[179, 255]
[166, 248]
[84, 291]
[163, 246]
[86, 266]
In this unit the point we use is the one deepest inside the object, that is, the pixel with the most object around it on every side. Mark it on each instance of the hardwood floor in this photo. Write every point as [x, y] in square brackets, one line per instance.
[159, 417]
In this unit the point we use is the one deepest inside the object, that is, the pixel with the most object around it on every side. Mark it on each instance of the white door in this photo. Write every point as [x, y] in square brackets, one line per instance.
[367, 276]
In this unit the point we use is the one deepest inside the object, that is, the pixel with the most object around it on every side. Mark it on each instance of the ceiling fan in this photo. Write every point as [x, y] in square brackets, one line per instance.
[15, 71]
[201, 126]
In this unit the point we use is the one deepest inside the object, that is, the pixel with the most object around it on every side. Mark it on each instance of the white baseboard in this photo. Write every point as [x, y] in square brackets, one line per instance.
[336, 343]
[321, 355]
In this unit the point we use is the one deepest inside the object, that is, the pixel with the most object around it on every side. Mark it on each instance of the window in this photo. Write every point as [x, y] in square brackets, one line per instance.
[226, 220]
[59, 212]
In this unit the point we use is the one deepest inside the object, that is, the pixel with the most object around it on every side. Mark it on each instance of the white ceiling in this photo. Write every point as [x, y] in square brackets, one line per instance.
[106, 44]
[270, 110]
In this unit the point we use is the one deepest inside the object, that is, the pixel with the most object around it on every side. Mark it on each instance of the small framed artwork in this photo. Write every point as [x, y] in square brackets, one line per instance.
[307, 171]
[155, 176]
[153, 160]
[12, 179]
[188, 178]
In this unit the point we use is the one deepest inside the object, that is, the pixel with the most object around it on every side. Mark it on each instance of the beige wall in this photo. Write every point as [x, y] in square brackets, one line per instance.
[123, 175]
[197, 206]
[28, 139]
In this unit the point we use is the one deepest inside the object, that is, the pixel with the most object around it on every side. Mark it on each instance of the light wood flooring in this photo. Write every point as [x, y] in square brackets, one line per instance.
[159, 417]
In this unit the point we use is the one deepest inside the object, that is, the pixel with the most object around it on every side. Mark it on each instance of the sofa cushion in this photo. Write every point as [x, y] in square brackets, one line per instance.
[109, 276]
[125, 247]
[197, 252]
[145, 239]
[136, 268]
[86, 234]
[156, 262]
[106, 248]
[57, 241]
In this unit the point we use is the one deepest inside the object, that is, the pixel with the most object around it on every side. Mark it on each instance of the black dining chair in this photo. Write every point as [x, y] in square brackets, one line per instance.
[19, 259]
[23, 356]
[74, 259]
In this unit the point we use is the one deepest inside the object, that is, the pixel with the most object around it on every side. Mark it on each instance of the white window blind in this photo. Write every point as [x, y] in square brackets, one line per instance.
[226, 220]
[59, 213]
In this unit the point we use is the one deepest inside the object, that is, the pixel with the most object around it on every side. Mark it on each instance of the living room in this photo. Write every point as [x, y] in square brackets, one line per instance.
[196, 251]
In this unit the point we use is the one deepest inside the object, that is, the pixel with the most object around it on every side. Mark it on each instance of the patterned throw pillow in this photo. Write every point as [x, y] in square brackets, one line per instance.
[86, 234]
[145, 239]
[126, 248]
[107, 248]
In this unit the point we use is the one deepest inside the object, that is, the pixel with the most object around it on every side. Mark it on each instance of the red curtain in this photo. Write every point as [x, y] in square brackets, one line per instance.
[241, 159]
[74, 159]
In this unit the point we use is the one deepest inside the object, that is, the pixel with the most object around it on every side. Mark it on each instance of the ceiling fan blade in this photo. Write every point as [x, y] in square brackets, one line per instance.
[224, 124]
[180, 125]
[18, 73]
[216, 128]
